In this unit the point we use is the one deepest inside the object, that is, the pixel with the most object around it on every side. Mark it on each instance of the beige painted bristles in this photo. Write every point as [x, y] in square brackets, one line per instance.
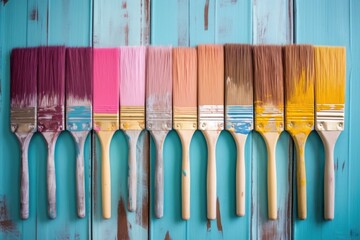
[269, 110]
[185, 113]
[211, 110]
[239, 109]
[330, 80]
[299, 109]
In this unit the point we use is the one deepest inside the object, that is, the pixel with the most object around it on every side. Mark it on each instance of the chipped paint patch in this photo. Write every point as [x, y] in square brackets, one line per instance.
[184, 172]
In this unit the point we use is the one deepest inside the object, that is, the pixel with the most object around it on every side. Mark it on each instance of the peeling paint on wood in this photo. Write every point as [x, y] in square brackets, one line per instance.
[122, 227]
[206, 15]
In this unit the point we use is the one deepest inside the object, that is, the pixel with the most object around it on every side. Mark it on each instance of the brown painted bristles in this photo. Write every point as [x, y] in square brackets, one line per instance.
[210, 75]
[238, 74]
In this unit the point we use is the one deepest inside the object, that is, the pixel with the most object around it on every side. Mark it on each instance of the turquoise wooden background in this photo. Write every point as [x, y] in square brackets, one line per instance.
[184, 23]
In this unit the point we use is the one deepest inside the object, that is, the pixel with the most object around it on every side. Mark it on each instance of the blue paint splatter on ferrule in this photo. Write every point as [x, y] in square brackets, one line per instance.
[239, 119]
[78, 118]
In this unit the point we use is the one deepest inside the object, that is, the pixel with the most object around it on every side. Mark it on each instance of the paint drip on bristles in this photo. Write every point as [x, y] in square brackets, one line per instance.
[210, 75]
[238, 74]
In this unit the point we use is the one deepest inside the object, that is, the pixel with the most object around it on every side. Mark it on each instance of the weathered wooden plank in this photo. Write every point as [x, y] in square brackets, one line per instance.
[272, 24]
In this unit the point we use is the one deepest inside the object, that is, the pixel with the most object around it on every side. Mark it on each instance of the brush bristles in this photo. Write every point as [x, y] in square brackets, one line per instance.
[185, 88]
[159, 88]
[210, 75]
[299, 87]
[269, 91]
[238, 74]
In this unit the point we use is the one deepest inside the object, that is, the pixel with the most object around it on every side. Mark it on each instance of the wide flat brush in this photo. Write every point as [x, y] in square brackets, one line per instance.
[299, 109]
[51, 115]
[211, 110]
[79, 110]
[330, 79]
[239, 109]
[106, 112]
[185, 113]
[132, 108]
[23, 72]
[269, 109]
[159, 112]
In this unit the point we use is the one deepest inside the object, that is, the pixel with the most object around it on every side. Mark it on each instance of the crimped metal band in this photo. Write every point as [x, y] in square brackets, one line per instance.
[51, 119]
[158, 118]
[23, 119]
[132, 118]
[211, 117]
[79, 118]
[185, 118]
[330, 117]
[239, 119]
[269, 119]
[106, 122]
[299, 114]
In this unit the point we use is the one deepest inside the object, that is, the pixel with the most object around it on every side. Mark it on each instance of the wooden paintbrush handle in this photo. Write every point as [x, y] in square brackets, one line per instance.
[50, 138]
[271, 140]
[133, 136]
[80, 138]
[105, 139]
[211, 139]
[185, 137]
[159, 138]
[24, 140]
[329, 139]
[240, 140]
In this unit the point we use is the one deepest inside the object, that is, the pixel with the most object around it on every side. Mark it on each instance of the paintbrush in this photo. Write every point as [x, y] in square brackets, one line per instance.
[330, 78]
[159, 111]
[269, 109]
[239, 109]
[23, 72]
[185, 113]
[50, 116]
[299, 109]
[211, 110]
[79, 110]
[132, 108]
[106, 112]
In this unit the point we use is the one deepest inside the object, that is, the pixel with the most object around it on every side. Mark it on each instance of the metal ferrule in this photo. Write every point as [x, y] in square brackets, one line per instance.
[299, 117]
[330, 117]
[158, 119]
[185, 118]
[211, 117]
[269, 119]
[106, 122]
[239, 119]
[50, 119]
[78, 118]
[23, 119]
[132, 118]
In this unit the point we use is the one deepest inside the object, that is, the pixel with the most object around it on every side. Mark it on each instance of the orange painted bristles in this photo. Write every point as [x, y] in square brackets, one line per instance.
[299, 109]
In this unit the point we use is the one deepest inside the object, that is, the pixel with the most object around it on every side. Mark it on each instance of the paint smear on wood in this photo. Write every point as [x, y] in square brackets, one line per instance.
[218, 216]
[208, 225]
[5, 2]
[122, 228]
[6, 224]
[167, 236]
[206, 15]
[34, 15]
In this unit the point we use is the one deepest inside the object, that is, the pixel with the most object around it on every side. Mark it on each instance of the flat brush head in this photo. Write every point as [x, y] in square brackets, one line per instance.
[330, 79]
[23, 74]
[184, 71]
[269, 91]
[106, 89]
[211, 87]
[78, 77]
[239, 88]
[51, 89]
[132, 88]
[159, 89]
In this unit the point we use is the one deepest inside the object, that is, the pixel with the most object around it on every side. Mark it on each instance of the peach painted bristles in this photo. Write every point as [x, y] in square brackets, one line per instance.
[159, 111]
[23, 85]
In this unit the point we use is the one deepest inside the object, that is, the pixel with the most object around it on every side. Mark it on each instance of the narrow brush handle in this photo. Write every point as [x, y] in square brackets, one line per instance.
[270, 140]
[211, 139]
[185, 137]
[51, 138]
[105, 139]
[133, 136]
[80, 138]
[24, 140]
[329, 139]
[159, 138]
[240, 140]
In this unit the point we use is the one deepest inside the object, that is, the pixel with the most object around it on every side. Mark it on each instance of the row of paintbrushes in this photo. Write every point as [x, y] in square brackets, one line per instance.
[210, 88]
